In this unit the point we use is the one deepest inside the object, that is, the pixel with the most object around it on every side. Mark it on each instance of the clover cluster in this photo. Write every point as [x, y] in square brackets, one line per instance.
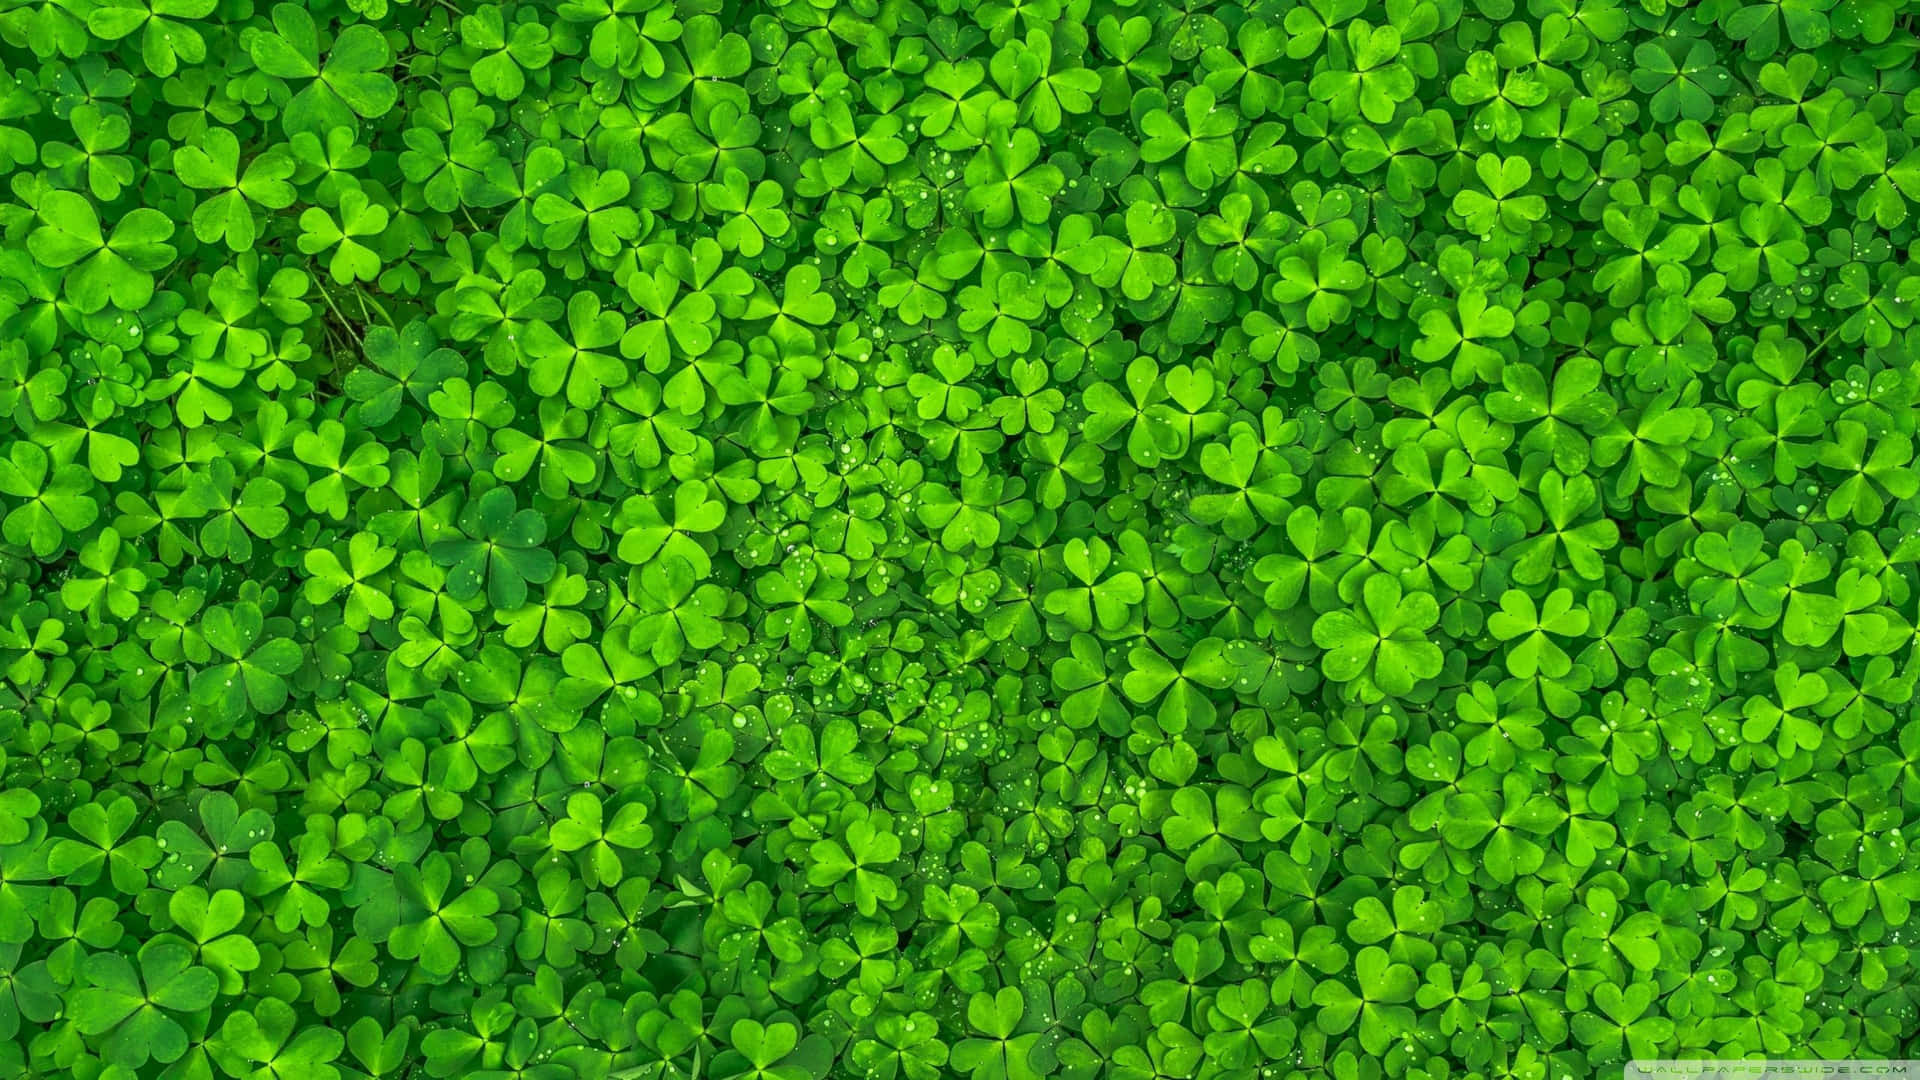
[873, 539]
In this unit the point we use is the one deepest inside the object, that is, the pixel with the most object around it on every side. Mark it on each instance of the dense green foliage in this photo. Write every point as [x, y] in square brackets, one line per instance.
[1081, 539]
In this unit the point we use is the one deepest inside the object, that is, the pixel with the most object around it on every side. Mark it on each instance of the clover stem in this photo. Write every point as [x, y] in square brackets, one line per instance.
[361, 298]
[341, 315]
[1823, 342]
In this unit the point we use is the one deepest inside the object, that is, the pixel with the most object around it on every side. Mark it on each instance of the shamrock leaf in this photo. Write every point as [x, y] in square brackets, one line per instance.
[115, 268]
[1384, 644]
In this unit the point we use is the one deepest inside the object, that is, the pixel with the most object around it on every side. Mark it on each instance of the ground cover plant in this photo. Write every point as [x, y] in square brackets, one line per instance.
[910, 539]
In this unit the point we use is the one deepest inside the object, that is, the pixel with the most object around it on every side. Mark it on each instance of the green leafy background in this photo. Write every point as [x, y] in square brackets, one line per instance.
[906, 538]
